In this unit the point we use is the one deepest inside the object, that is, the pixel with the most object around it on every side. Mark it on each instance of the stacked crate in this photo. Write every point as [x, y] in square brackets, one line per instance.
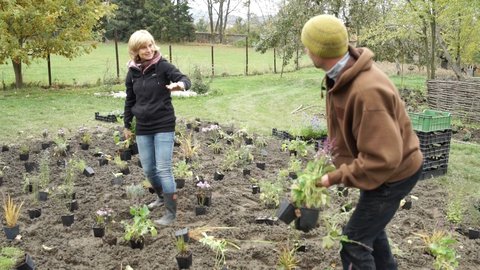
[434, 133]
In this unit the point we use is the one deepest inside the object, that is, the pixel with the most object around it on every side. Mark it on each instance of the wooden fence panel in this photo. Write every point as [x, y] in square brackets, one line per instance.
[460, 98]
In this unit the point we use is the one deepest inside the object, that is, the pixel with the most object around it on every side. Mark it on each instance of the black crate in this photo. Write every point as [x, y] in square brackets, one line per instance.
[109, 118]
[433, 163]
[428, 138]
[427, 174]
[436, 150]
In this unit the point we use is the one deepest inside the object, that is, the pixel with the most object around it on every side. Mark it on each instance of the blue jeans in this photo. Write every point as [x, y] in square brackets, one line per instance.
[156, 153]
[367, 224]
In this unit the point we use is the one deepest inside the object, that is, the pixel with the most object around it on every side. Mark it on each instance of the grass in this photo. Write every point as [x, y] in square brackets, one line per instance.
[100, 65]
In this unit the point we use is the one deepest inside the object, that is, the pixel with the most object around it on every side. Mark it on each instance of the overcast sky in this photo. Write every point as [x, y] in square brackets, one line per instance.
[261, 8]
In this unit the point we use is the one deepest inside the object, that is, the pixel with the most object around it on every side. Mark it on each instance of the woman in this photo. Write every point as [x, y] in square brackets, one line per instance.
[150, 79]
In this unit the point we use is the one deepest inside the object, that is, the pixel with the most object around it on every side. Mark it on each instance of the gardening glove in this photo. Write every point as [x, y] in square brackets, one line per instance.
[127, 133]
[178, 86]
[323, 182]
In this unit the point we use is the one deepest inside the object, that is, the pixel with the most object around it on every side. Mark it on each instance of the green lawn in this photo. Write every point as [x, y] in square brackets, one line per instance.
[100, 64]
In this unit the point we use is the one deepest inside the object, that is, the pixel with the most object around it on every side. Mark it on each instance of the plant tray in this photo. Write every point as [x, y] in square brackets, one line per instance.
[108, 118]
[435, 150]
[428, 138]
[427, 174]
[430, 120]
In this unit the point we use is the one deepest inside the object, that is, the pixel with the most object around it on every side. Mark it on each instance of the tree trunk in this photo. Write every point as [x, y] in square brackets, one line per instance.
[17, 69]
[433, 50]
[447, 55]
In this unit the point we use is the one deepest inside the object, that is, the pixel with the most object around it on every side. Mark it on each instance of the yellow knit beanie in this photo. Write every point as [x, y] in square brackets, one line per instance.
[325, 36]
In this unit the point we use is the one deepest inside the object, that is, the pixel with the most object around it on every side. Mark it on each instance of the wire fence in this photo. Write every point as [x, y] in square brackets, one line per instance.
[107, 64]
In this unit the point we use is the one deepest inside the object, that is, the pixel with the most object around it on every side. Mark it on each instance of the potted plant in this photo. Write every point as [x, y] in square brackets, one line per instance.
[295, 147]
[121, 164]
[294, 166]
[103, 217]
[141, 225]
[287, 259]
[34, 211]
[184, 255]
[61, 147]
[204, 195]
[125, 152]
[11, 213]
[181, 171]
[135, 193]
[216, 146]
[188, 147]
[270, 195]
[2, 174]
[85, 140]
[308, 198]
[45, 142]
[15, 258]
[24, 152]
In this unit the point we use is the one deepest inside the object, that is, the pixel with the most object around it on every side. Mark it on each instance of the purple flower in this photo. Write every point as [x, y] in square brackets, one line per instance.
[203, 185]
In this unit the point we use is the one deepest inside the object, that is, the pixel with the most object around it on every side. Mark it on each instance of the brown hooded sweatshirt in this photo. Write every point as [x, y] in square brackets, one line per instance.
[374, 139]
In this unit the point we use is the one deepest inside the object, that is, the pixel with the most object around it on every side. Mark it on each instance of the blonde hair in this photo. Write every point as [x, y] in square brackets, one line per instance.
[139, 39]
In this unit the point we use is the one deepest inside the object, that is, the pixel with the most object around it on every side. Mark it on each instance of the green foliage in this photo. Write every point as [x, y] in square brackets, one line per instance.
[441, 246]
[140, 225]
[237, 158]
[297, 145]
[24, 149]
[294, 165]
[271, 192]
[44, 175]
[287, 259]
[10, 256]
[182, 246]
[59, 27]
[304, 192]
[198, 85]
[60, 148]
[219, 246]
[121, 164]
[181, 170]
[135, 192]
[455, 210]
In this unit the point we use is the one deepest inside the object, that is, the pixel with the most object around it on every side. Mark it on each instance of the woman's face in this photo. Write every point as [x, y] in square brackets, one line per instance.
[146, 52]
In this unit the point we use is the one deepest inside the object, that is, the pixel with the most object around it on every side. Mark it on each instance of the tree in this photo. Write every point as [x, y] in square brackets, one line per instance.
[63, 27]
[218, 14]
[172, 21]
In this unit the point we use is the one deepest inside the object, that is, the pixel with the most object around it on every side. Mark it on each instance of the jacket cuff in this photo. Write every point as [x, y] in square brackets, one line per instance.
[335, 177]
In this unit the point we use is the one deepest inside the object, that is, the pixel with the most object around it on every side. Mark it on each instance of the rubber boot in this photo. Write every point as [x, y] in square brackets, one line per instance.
[159, 201]
[170, 209]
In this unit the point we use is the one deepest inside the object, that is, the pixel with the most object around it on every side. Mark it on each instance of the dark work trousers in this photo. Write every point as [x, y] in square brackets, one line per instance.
[367, 224]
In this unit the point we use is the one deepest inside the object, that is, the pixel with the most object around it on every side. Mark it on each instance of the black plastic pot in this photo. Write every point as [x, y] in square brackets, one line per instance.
[184, 261]
[200, 210]
[34, 213]
[24, 157]
[261, 165]
[88, 172]
[84, 146]
[125, 154]
[11, 232]
[102, 161]
[30, 166]
[72, 205]
[183, 233]
[28, 263]
[67, 220]
[218, 176]
[98, 231]
[137, 243]
[180, 183]
[42, 196]
[255, 189]
[473, 233]
[307, 220]
[286, 212]
[246, 172]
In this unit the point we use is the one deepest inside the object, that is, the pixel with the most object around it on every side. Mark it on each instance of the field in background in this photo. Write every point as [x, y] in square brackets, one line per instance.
[100, 65]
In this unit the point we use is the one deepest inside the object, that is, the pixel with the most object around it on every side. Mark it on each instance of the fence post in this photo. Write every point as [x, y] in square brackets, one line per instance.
[116, 54]
[213, 63]
[170, 53]
[49, 71]
[296, 67]
[246, 55]
[274, 61]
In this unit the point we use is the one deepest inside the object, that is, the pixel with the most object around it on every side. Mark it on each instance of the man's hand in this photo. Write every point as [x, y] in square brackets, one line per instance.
[127, 133]
[324, 182]
[178, 86]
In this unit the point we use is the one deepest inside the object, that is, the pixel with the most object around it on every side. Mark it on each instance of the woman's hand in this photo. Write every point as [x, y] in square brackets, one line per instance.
[176, 86]
[127, 133]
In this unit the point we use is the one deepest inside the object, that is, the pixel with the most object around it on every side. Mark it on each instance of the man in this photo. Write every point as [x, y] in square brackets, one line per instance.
[376, 148]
